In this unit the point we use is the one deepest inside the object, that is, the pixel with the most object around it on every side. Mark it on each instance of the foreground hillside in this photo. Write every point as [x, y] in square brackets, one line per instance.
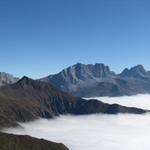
[29, 99]
[23, 142]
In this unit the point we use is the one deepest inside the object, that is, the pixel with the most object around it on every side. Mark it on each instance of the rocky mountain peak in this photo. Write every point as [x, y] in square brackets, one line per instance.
[87, 80]
[136, 71]
[139, 68]
[25, 79]
[82, 71]
[101, 70]
[80, 75]
[28, 83]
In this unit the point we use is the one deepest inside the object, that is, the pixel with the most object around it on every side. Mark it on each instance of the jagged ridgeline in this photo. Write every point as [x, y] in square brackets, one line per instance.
[98, 80]
[95, 80]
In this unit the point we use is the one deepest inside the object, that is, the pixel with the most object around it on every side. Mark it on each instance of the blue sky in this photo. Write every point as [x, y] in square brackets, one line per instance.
[41, 37]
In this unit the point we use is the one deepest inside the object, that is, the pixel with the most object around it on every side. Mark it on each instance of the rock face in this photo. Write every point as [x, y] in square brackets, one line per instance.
[23, 142]
[29, 99]
[80, 79]
[98, 80]
[135, 72]
[6, 78]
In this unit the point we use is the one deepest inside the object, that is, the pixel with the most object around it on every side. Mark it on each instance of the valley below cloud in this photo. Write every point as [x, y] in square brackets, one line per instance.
[99, 131]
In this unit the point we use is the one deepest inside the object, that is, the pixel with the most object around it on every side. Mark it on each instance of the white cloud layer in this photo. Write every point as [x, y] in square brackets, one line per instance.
[141, 100]
[96, 132]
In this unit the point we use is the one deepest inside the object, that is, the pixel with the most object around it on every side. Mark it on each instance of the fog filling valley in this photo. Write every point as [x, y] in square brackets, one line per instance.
[140, 100]
[98, 131]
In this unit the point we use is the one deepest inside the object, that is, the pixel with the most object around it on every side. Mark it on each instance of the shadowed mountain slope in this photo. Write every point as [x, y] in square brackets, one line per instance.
[29, 99]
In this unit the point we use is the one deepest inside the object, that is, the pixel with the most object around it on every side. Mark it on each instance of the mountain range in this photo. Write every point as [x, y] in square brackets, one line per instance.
[98, 80]
[26, 99]
[87, 80]
[30, 99]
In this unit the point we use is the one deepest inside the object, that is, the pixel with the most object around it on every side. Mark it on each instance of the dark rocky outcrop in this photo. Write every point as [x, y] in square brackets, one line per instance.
[24, 142]
[98, 80]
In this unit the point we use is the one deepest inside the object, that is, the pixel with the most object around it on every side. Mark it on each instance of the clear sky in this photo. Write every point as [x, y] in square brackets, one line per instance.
[41, 37]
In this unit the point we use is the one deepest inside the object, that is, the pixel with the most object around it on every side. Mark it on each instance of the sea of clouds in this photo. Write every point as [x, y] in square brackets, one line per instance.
[140, 100]
[96, 132]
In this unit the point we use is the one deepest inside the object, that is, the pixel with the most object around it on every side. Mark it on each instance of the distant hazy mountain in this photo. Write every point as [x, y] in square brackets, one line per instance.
[98, 80]
[29, 99]
[6, 78]
[135, 72]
